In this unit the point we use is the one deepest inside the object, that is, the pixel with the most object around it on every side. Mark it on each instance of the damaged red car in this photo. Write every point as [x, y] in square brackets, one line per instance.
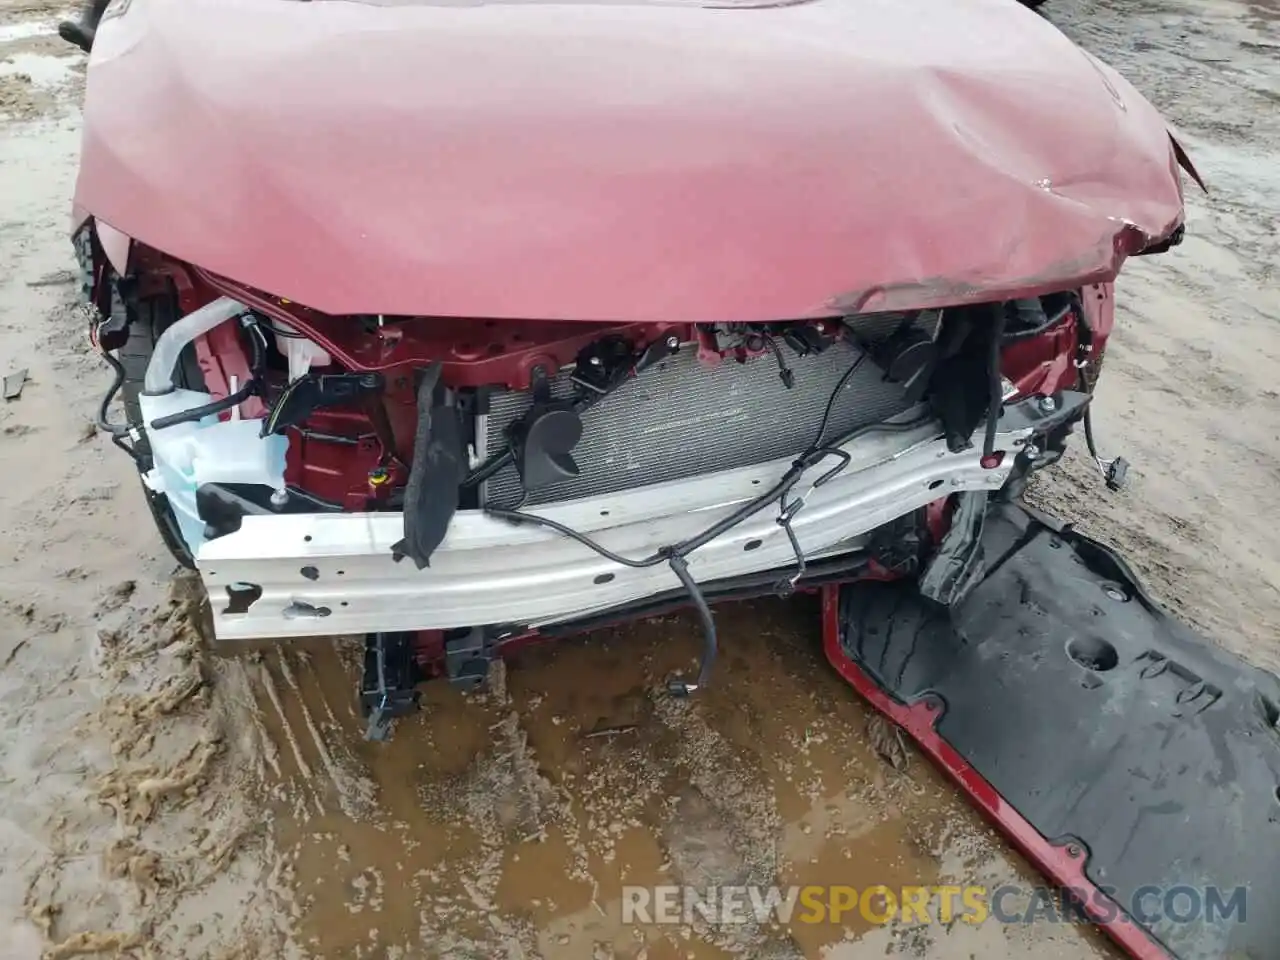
[448, 324]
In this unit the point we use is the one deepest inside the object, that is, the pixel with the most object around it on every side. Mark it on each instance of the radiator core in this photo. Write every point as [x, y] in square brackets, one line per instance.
[682, 418]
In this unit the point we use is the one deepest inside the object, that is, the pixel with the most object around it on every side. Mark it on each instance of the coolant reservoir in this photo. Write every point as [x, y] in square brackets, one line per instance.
[205, 451]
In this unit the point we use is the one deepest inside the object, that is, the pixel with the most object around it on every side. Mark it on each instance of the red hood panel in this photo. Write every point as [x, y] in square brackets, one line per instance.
[618, 161]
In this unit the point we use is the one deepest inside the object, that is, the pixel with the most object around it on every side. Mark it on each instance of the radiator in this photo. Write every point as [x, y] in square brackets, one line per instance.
[681, 418]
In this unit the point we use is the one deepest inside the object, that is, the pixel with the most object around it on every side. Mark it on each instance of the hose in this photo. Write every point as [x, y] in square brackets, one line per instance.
[205, 409]
[170, 344]
[251, 388]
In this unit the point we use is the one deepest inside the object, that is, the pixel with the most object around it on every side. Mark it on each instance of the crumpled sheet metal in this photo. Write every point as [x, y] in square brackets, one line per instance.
[606, 160]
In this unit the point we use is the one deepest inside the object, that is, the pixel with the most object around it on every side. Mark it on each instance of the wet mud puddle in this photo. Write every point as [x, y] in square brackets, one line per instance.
[38, 70]
[507, 824]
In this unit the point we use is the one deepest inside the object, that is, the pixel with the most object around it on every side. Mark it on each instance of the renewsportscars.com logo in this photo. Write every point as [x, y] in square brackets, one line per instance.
[943, 904]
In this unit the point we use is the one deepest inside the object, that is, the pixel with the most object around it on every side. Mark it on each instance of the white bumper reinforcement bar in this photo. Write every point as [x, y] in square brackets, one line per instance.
[329, 573]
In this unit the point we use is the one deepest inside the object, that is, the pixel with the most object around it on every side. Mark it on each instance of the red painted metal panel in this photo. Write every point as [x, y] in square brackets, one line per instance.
[622, 161]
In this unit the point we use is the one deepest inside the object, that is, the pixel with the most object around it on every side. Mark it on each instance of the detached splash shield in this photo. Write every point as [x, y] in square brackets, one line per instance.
[1129, 758]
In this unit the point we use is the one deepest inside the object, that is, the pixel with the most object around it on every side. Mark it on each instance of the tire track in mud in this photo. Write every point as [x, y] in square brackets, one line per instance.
[353, 791]
[505, 823]
[268, 687]
[159, 829]
[296, 720]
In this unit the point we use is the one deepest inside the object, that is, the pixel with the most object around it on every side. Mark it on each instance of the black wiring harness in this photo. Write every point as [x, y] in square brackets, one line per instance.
[675, 555]
[118, 432]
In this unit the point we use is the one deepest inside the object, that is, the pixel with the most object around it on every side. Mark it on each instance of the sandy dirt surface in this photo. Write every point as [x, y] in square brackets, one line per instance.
[159, 798]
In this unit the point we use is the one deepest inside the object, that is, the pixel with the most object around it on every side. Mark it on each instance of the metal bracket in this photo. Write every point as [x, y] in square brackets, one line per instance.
[388, 684]
[1040, 414]
[957, 567]
[467, 655]
[311, 392]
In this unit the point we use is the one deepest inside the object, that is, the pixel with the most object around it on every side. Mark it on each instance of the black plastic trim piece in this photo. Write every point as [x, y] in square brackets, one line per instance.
[223, 505]
[767, 583]
[1103, 721]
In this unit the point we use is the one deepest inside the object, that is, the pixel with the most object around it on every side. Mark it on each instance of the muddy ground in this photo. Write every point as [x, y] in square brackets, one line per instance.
[162, 799]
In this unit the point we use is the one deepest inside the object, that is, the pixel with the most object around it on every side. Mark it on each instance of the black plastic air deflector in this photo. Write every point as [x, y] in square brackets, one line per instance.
[1103, 721]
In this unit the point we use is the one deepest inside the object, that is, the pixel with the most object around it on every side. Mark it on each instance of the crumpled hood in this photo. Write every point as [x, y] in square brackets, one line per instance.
[621, 161]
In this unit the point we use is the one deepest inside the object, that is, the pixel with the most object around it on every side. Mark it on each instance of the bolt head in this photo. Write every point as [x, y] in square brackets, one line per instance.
[673, 341]
[596, 362]
[280, 497]
[1048, 404]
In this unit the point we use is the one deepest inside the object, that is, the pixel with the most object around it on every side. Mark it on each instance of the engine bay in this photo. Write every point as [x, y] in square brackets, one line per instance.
[369, 473]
